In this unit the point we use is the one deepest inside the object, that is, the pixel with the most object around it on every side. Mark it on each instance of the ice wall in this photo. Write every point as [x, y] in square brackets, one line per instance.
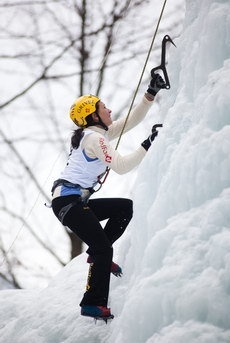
[178, 257]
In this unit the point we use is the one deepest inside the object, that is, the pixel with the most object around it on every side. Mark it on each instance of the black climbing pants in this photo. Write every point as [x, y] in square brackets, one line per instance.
[84, 221]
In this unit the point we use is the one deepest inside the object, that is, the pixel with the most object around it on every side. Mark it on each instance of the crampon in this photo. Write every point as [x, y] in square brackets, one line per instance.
[97, 312]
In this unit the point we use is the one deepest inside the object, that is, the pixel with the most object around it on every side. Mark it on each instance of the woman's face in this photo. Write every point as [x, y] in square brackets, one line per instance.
[104, 114]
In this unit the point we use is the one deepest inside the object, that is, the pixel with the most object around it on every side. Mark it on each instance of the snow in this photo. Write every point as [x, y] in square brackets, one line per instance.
[176, 251]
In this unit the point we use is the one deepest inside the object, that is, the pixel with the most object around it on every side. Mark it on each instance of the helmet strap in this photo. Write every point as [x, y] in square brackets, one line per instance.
[92, 122]
[101, 123]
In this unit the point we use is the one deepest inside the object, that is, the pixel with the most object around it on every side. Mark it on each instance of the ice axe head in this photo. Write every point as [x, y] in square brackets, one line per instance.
[166, 39]
[154, 128]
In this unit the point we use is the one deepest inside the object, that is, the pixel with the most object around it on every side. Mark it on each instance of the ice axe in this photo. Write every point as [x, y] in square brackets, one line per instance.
[154, 131]
[162, 65]
[154, 128]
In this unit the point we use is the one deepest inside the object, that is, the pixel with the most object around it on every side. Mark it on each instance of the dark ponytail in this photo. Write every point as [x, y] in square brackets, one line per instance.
[76, 138]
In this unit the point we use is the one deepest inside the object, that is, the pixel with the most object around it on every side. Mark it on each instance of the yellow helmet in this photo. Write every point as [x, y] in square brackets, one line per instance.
[82, 107]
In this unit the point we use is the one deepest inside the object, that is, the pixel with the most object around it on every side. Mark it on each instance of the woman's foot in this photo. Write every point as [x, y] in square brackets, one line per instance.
[97, 312]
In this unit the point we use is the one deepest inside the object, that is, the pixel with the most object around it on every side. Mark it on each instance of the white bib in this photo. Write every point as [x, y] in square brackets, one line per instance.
[81, 169]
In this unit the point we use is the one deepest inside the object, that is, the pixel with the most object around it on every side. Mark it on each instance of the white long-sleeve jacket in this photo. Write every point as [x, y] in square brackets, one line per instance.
[95, 152]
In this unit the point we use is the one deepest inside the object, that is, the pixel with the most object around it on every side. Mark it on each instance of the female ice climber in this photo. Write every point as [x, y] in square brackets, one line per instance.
[91, 153]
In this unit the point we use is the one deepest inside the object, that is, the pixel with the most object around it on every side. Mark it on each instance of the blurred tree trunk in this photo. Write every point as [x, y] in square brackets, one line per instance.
[76, 245]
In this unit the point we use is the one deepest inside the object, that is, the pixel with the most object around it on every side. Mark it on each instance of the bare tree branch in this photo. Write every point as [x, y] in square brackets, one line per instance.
[24, 164]
[43, 76]
[38, 239]
[9, 276]
[26, 3]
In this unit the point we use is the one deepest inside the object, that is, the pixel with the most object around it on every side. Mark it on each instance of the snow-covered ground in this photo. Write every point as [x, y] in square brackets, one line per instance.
[176, 252]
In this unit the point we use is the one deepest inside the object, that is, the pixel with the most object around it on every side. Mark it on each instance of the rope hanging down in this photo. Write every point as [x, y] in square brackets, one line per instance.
[142, 73]
[100, 180]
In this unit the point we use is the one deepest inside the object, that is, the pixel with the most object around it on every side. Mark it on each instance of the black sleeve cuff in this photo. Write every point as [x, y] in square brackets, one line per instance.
[146, 144]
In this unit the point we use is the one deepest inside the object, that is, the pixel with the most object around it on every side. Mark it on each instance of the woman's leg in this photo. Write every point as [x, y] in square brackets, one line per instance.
[81, 220]
[118, 211]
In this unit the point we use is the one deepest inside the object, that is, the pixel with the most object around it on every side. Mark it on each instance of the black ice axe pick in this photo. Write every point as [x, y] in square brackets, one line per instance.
[165, 40]
[155, 127]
